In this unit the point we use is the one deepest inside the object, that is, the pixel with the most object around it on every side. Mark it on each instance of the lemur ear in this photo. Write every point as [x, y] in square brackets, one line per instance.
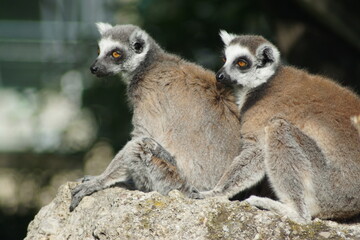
[103, 27]
[226, 37]
[267, 55]
[138, 40]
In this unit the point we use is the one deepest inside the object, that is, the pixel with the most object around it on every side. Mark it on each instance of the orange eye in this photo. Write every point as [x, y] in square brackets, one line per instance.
[115, 54]
[242, 63]
[224, 59]
[98, 51]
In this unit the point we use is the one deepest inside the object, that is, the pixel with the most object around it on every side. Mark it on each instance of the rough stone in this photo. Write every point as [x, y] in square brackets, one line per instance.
[118, 213]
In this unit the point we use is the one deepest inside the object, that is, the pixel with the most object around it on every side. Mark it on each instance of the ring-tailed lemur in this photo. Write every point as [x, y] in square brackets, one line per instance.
[177, 106]
[296, 130]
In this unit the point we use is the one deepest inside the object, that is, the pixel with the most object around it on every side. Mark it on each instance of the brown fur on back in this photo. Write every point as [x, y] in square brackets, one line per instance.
[181, 106]
[326, 109]
[322, 110]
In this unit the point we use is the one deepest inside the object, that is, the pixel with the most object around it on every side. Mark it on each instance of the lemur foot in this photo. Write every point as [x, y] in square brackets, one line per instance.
[279, 208]
[206, 194]
[193, 193]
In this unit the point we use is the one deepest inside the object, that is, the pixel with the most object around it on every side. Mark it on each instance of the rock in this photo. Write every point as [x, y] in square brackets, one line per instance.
[118, 213]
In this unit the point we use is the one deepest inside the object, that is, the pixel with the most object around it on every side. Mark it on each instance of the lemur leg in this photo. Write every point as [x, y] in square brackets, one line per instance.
[143, 162]
[291, 159]
[246, 170]
[85, 178]
[155, 170]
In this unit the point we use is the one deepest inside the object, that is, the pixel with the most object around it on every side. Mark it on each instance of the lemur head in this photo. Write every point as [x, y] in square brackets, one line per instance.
[249, 60]
[122, 49]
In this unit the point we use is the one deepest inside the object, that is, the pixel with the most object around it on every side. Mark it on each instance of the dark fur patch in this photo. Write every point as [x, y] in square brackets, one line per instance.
[252, 42]
[140, 71]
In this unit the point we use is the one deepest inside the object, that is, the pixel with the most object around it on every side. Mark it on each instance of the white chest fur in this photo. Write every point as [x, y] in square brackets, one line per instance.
[241, 96]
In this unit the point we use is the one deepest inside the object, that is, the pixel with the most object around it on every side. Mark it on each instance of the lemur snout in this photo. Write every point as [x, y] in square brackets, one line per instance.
[220, 76]
[223, 77]
[94, 69]
[98, 69]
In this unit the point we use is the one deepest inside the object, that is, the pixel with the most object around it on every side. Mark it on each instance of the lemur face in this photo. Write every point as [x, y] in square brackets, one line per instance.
[121, 50]
[249, 60]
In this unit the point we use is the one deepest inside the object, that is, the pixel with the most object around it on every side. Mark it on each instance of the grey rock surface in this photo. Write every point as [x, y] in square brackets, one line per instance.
[118, 213]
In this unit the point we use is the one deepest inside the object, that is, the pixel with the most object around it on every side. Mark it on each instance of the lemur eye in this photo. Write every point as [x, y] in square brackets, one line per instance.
[98, 51]
[115, 54]
[242, 63]
[224, 59]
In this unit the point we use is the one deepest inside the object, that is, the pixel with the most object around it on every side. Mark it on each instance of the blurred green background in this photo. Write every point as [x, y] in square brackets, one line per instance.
[58, 122]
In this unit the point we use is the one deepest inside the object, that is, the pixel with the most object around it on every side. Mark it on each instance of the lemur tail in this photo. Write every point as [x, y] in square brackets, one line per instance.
[356, 122]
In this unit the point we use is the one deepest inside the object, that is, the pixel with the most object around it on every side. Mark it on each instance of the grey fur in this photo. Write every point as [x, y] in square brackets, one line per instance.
[252, 42]
[186, 126]
[296, 130]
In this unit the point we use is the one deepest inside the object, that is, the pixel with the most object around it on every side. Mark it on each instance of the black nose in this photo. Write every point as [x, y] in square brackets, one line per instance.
[220, 76]
[94, 69]
[223, 77]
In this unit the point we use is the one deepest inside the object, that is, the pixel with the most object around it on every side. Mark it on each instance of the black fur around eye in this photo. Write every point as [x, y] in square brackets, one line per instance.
[116, 54]
[243, 63]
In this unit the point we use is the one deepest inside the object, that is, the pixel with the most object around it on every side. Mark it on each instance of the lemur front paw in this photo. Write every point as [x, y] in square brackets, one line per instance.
[82, 190]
